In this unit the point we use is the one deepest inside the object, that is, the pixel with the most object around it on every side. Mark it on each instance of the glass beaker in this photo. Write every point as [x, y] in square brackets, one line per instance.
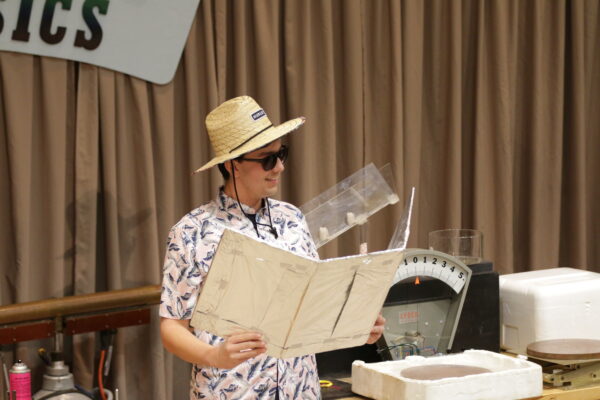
[464, 244]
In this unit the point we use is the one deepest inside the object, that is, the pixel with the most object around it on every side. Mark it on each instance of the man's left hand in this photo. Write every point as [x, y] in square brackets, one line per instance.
[377, 330]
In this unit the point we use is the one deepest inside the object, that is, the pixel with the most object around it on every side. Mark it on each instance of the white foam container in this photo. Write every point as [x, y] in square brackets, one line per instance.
[510, 378]
[556, 303]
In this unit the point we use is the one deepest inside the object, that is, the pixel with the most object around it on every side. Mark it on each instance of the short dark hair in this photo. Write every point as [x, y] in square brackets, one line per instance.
[223, 171]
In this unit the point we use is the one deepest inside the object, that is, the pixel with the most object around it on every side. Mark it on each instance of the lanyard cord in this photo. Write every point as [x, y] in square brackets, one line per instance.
[277, 381]
[254, 223]
[273, 230]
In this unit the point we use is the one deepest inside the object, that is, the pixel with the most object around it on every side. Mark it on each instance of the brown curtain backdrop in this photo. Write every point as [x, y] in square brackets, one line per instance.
[489, 108]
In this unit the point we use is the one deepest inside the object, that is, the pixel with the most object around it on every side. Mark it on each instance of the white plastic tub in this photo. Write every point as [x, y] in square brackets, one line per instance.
[509, 378]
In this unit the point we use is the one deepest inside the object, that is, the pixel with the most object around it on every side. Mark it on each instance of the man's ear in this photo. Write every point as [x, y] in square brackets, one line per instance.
[228, 166]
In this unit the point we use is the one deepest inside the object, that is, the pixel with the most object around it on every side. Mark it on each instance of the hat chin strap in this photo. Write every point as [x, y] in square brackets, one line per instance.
[254, 223]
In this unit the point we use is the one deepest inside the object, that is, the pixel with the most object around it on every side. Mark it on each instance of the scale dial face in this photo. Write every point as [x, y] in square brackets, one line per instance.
[435, 264]
[422, 315]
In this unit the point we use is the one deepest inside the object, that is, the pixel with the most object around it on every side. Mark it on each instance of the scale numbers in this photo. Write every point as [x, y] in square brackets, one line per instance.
[421, 262]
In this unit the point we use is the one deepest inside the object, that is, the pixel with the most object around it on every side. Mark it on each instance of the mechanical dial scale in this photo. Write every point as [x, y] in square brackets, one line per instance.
[423, 307]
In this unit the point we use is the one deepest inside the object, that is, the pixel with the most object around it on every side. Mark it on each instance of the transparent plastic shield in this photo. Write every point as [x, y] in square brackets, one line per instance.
[347, 204]
[402, 232]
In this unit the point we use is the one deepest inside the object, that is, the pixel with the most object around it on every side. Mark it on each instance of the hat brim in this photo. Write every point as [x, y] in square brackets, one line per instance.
[257, 142]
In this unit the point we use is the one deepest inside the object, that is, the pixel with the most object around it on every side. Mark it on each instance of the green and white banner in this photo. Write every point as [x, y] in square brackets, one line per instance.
[143, 38]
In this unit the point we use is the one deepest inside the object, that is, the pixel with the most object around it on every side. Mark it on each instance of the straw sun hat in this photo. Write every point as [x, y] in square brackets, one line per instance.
[239, 126]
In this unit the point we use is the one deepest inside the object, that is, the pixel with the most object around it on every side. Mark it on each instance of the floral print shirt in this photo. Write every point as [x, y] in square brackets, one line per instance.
[191, 246]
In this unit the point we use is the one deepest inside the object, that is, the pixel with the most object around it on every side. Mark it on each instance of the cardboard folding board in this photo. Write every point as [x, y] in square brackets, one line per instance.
[300, 305]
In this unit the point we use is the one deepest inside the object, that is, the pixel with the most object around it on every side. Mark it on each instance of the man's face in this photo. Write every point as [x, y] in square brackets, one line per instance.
[253, 182]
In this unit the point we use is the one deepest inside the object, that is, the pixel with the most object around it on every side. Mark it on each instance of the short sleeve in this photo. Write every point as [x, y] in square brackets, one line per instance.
[186, 264]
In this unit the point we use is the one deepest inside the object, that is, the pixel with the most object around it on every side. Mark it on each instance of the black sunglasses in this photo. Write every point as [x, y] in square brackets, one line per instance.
[269, 162]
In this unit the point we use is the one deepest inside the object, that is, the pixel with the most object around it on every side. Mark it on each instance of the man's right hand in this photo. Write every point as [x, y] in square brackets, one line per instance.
[237, 348]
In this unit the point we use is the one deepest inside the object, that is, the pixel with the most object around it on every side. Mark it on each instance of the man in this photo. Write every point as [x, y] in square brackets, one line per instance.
[251, 157]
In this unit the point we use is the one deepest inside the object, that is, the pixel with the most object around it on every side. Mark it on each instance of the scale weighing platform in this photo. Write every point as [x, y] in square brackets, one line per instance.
[569, 363]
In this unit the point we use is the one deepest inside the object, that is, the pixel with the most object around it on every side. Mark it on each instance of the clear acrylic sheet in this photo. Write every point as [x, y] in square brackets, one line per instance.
[348, 203]
[402, 232]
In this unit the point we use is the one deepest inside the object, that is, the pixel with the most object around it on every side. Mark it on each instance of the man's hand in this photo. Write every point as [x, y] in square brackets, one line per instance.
[377, 330]
[237, 348]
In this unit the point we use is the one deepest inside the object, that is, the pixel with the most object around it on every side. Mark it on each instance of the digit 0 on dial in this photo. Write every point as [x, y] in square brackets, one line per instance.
[423, 306]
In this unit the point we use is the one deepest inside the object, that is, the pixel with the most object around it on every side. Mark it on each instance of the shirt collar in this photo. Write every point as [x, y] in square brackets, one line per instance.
[230, 205]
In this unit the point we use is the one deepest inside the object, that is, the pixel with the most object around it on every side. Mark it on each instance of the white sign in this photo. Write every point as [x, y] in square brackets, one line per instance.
[143, 38]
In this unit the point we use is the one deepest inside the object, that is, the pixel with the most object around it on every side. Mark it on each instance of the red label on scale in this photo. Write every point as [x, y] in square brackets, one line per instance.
[408, 317]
